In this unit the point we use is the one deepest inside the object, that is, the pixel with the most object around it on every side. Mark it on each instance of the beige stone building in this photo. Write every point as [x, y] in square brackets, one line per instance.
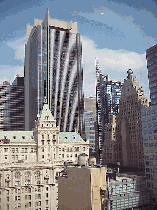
[30, 161]
[112, 144]
[132, 101]
[82, 188]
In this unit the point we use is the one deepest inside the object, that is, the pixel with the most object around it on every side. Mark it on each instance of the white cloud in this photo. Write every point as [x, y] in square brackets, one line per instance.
[19, 47]
[8, 72]
[112, 62]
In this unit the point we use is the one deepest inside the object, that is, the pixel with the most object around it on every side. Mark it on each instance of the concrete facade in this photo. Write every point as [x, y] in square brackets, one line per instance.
[112, 145]
[82, 189]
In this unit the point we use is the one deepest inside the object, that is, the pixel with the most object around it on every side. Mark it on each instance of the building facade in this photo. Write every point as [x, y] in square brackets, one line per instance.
[132, 101]
[108, 94]
[149, 130]
[90, 122]
[128, 192]
[112, 146]
[53, 69]
[151, 56]
[30, 161]
[85, 191]
[12, 105]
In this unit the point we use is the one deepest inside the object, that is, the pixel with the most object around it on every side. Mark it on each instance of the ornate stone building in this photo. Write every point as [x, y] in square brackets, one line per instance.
[30, 161]
[131, 103]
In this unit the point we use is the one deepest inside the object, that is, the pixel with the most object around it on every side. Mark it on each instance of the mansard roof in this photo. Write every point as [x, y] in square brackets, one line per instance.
[70, 137]
[17, 136]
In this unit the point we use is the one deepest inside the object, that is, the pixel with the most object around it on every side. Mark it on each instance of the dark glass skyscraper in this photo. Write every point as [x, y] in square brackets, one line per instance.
[12, 105]
[108, 94]
[53, 70]
[151, 56]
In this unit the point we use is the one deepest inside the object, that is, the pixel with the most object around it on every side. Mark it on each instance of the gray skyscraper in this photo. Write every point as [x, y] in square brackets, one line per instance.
[108, 94]
[53, 69]
[151, 56]
[12, 105]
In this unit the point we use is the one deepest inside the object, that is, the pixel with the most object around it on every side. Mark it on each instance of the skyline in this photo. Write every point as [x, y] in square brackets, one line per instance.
[116, 32]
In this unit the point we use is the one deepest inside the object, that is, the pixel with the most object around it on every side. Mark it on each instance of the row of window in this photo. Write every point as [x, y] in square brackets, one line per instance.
[23, 150]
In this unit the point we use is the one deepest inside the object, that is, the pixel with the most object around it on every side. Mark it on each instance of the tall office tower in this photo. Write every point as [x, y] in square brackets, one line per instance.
[108, 94]
[90, 122]
[149, 130]
[151, 56]
[12, 105]
[131, 103]
[53, 70]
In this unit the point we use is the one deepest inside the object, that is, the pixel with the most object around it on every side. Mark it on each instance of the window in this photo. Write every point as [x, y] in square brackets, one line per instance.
[84, 148]
[42, 142]
[42, 149]
[6, 157]
[23, 137]
[42, 156]
[5, 149]
[54, 136]
[14, 137]
[17, 174]
[47, 195]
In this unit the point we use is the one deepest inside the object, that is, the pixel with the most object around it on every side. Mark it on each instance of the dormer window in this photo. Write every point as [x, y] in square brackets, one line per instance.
[14, 137]
[23, 137]
[66, 137]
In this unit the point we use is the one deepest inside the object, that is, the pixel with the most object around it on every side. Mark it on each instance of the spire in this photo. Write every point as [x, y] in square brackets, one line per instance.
[97, 67]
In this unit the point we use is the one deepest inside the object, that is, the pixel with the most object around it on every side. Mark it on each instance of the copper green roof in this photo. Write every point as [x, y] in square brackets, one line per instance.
[46, 112]
[70, 137]
[17, 136]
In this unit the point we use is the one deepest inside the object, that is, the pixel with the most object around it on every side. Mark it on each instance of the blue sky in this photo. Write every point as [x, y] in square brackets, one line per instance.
[117, 32]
